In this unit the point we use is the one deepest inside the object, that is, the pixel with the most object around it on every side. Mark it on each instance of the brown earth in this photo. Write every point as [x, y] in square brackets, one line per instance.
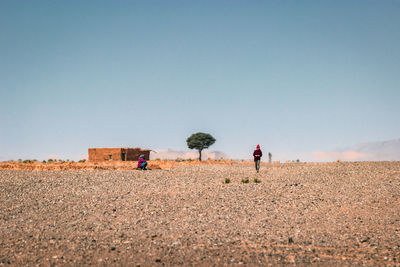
[304, 213]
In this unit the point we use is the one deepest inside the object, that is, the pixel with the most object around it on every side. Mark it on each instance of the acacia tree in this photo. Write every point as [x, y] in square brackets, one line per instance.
[200, 141]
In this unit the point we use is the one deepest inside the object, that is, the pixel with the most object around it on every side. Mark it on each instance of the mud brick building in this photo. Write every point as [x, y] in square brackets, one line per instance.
[118, 154]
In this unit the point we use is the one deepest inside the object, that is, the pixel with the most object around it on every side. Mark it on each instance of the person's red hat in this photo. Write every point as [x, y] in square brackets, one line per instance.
[258, 146]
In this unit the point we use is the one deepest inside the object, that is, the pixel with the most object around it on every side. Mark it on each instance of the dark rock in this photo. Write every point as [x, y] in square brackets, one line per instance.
[365, 239]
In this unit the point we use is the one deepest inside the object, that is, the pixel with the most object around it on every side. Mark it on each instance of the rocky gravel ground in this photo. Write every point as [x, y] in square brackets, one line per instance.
[303, 213]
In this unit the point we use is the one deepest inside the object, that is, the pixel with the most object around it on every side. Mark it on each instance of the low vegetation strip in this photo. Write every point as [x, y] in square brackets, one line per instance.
[112, 165]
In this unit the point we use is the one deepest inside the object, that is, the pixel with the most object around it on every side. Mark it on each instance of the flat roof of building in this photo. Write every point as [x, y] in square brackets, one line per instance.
[118, 148]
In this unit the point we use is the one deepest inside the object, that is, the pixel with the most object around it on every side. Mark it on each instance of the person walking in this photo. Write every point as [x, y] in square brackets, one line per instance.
[257, 154]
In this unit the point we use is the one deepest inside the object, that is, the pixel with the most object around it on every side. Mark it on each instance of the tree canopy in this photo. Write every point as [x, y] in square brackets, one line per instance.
[200, 141]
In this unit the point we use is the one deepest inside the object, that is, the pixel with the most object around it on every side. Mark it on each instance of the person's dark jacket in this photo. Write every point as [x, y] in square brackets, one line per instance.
[257, 154]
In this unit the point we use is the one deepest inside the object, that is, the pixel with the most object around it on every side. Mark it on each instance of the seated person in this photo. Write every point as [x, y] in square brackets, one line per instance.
[142, 164]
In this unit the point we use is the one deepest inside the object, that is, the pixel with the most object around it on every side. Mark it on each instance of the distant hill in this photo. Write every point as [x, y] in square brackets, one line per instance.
[386, 150]
[371, 151]
[173, 154]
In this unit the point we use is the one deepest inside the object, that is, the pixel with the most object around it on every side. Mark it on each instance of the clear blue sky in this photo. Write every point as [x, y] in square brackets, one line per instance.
[294, 76]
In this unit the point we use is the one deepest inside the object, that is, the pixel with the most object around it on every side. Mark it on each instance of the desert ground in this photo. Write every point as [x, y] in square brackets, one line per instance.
[300, 213]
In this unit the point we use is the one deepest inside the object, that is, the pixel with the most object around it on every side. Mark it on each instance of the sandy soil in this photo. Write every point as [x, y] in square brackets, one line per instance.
[323, 214]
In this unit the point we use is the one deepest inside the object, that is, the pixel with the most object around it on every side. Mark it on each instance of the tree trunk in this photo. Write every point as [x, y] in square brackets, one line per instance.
[200, 154]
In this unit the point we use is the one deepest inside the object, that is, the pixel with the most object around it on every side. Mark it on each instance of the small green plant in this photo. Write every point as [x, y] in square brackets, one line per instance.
[227, 181]
[257, 181]
[44, 161]
[245, 181]
[82, 161]
[27, 161]
[50, 160]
